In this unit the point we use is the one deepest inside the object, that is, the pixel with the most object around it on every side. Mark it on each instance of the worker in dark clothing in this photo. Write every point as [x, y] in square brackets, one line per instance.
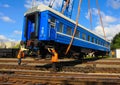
[54, 59]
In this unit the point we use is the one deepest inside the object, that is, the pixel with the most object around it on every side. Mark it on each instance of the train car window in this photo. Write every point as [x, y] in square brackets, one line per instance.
[88, 38]
[60, 27]
[103, 44]
[98, 42]
[69, 31]
[93, 40]
[52, 22]
[77, 34]
[83, 36]
[106, 45]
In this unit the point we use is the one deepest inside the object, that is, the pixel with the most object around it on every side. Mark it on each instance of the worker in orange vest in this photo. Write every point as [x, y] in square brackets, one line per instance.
[20, 56]
[54, 59]
[21, 53]
[113, 53]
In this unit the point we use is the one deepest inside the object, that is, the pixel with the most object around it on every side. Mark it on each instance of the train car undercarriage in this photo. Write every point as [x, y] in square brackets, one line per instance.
[39, 49]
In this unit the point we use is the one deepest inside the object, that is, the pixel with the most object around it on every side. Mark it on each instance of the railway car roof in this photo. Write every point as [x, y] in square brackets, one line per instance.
[42, 7]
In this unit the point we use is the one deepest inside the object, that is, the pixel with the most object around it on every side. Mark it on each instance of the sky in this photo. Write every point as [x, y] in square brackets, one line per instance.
[12, 13]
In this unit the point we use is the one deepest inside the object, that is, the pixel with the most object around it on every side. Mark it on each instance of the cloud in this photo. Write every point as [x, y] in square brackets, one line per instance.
[28, 4]
[110, 31]
[2, 37]
[6, 5]
[57, 3]
[93, 11]
[109, 22]
[115, 4]
[6, 18]
[1, 14]
[107, 19]
[5, 39]
[17, 32]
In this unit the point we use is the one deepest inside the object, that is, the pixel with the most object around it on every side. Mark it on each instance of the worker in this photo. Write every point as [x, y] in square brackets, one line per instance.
[54, 59]
[113, 53]
[21, 54]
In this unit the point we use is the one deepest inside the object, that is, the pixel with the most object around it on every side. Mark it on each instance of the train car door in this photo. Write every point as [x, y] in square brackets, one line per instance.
[52, 29]
[31, 29]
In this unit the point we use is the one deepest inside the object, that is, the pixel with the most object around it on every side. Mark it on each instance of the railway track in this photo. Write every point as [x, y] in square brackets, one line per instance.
[89, 61]
[61, 78]
[65, 65]
[73, 72]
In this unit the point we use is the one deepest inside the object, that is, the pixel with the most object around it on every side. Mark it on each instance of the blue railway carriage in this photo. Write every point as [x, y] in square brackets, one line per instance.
[46, 28]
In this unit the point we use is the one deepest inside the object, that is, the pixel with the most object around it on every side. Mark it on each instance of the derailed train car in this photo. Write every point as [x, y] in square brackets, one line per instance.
[46, 28]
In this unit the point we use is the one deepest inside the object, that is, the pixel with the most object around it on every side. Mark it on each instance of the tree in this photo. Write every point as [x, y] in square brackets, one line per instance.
[115, 42]
[17, 46]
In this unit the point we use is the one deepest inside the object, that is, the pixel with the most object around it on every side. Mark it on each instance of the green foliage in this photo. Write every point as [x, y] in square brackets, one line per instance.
[17, 46]
[115, 42]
